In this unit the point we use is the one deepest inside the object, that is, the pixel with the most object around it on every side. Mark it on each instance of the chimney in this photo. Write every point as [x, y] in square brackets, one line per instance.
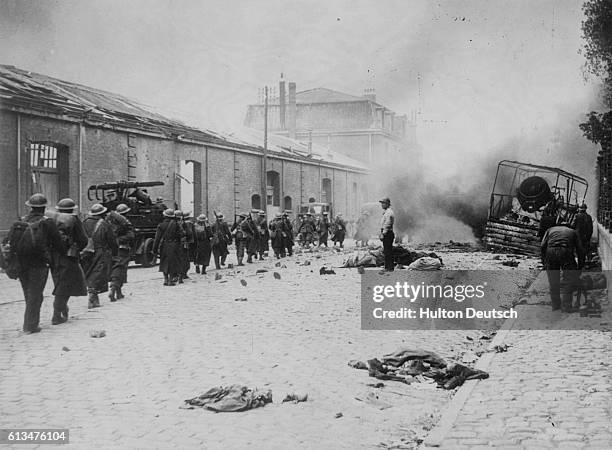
[292, 113]
[370, 94]
[282, 104]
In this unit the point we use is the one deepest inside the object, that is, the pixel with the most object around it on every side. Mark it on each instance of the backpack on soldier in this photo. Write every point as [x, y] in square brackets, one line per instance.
[9, 259]
[33, 241]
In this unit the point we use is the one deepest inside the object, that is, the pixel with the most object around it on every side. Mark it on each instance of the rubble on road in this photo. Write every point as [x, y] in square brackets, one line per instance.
[97, 333]
[277, 275]
[325, 271]
[234, 398]
[296, 397]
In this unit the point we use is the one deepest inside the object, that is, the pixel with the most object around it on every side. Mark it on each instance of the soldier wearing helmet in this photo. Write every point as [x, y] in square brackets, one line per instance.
[124, 233]
[31, 239]
[99, 253]
[168, 244]
[68, 276]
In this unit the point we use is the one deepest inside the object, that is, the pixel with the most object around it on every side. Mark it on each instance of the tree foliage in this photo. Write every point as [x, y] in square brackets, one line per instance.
[597, 33]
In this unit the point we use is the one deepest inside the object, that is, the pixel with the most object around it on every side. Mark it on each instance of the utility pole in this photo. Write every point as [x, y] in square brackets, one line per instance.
[264, 175]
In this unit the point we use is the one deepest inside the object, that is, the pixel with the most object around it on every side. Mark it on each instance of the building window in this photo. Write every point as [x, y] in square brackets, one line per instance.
[43, 156]
[311, 200]
[273, 188]
[287, 203]
[326, 190]
[256, 201]
[49, 170]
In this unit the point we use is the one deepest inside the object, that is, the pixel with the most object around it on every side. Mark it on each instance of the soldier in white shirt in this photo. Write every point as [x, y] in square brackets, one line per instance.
[386, 232]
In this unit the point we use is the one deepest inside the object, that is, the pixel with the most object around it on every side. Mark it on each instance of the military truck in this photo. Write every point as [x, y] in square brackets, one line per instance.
[145, 214]
[522, 194]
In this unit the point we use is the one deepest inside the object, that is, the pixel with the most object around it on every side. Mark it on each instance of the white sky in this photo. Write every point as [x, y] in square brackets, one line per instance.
[490, 70]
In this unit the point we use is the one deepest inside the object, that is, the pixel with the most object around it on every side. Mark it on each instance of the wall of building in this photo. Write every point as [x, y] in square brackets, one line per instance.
[229, 178]
[605, 247]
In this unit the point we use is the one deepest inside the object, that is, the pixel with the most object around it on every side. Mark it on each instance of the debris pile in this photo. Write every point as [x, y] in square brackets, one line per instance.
[405, 364]
[374, 257]
[234, 398]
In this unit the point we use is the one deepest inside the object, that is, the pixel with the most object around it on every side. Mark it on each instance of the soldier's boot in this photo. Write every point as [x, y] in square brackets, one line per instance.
[94, 301]
[197, 268]
[166, 280]
[119, 293]
[566, 302]
[203, 272]
[240, 263]
[250, 258]
[60, 310]
[112, 294]
[223, 260]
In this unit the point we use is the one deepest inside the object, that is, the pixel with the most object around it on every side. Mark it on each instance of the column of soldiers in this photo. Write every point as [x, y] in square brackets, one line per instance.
[83, 257]
[91, 257]
[311, 231]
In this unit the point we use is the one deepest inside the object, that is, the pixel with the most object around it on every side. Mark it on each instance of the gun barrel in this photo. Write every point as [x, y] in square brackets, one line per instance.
[126, 185]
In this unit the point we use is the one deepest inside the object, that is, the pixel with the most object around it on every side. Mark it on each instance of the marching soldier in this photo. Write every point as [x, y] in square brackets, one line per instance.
[187, 243]
[99, 253]
[307, 229]
[168, 245]
[203, 236]
[68, 276]
[264, 235]
[339, 231]
[124, 233]
[276, 235]
[222, 237]
[559, 247]
[239, 237]
[33, 258]
[323, 229]
[252, 237]
[287, 233]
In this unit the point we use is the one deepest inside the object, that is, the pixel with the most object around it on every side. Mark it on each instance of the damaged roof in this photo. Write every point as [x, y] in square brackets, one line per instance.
[22, 90]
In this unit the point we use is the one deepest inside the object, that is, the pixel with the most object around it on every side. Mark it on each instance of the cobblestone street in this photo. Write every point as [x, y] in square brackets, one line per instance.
[168, 344]
[293, 334]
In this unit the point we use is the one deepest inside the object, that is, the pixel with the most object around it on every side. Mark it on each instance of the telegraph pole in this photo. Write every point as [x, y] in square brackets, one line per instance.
[264, 175]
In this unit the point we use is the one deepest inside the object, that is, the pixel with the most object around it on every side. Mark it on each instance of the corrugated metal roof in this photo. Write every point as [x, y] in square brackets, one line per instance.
[34, 92]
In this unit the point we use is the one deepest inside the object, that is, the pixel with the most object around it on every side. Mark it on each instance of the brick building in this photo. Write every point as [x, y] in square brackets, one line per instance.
[58, 138]
[358, 127]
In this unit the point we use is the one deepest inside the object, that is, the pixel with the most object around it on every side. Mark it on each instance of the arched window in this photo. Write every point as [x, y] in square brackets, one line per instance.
[256, 201]
[287, 203]
[311, 200]
[326, 190]
[273, 188]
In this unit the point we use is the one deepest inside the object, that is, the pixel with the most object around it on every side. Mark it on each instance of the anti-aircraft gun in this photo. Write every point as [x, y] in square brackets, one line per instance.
[145, 214]
[522, 194]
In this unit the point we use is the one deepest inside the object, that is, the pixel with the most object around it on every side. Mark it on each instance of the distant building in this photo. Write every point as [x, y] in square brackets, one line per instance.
[358, 127]
[59, 138]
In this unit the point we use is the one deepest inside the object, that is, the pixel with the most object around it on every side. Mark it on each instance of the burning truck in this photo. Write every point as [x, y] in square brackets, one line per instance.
[522, 195]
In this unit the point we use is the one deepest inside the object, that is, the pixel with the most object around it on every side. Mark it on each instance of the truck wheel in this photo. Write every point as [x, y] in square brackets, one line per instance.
[148, 257]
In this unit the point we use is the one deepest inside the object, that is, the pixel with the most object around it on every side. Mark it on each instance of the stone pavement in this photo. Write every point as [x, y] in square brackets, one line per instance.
[167, 344]
[551, 389]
